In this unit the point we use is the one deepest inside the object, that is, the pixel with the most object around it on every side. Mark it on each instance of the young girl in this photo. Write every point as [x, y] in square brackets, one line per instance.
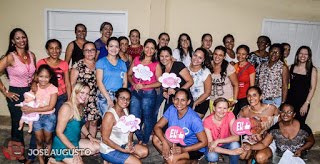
[46, 95]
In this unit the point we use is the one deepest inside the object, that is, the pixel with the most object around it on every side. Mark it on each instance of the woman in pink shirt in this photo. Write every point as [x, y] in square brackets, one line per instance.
[61, 69]
[143, 77]
[19, 65]
[221, 139]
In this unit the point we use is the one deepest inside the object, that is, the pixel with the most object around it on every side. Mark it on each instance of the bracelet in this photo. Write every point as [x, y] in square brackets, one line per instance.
[88, 135]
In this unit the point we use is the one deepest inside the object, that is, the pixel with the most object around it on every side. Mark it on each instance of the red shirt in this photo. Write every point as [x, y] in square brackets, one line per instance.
[243, 74]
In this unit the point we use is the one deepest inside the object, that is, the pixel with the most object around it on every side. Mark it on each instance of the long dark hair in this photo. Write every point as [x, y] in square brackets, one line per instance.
[190, 49]
[12, 46]
[224, 64]
[309, 64]
[53, 77]
[207, 61]
[143, 55]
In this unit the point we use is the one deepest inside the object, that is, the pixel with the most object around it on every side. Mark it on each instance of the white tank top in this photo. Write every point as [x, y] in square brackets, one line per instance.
[117, 136]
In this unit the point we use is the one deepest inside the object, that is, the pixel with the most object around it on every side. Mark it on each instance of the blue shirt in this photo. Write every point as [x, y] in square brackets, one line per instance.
[101, 47]
[112, 75]
[191, 124]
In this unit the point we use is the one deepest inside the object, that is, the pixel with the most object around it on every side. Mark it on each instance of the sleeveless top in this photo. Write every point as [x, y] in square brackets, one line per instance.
[77, 53]
[20, 74]
[116, 135]
[72, 132]
[152, 66]
[299, 88]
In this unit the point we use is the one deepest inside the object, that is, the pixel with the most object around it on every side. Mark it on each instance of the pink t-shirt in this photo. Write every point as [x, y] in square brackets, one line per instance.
[223, 131]
[152, 67]
[43, 96]
[60, 71]
[20, 74]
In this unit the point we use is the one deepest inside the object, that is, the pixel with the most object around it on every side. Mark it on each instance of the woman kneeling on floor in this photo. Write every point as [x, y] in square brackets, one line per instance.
[185, 117]
[117, 146]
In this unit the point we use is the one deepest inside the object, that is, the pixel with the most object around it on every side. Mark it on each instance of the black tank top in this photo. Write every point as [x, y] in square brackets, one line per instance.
[77, 53]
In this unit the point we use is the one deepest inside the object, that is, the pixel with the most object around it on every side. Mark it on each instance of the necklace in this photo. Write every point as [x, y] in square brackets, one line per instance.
[255, 112]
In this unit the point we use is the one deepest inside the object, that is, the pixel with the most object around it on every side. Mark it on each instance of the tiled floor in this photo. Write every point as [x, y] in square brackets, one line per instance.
[153, 158]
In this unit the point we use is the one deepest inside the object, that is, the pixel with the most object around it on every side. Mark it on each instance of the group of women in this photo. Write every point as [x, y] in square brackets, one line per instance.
[231, 83]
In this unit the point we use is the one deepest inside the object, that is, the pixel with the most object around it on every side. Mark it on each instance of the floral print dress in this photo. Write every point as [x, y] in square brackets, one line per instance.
[88, 76]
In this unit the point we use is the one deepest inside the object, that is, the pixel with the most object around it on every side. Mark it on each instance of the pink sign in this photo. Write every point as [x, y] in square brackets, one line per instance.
[242, 126]
[175, 134]
[169, 80]
[128, 123]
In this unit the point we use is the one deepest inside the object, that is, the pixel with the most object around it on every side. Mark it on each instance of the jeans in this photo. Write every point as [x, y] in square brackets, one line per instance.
[275, 101]
[102, 103]
[142, 106]
[159, 100]
[61, 99]
[234, 159]
[15, 113]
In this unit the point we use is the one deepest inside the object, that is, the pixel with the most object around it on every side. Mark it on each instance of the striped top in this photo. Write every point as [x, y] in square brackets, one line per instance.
[20, 74]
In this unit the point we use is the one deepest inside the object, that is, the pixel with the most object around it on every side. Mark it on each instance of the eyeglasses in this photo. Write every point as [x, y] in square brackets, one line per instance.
[275, 52]
[124, 99]
[90, 51]
[287, 112]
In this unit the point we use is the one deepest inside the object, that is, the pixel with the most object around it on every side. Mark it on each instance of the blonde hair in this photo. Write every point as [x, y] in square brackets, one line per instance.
[77, 113]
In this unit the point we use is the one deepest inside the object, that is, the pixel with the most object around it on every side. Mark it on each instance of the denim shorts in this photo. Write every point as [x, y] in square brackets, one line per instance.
[46, 122]
[115, 157]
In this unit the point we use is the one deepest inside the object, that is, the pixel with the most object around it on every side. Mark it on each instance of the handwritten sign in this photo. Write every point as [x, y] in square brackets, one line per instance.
[128, 123]
[175, 134]
[242, 126]
[170, 80]
[142, 72]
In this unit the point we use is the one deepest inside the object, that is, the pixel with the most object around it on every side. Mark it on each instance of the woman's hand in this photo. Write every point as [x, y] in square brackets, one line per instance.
[165, 151]
[304, 109]
[171, 91]
[298, 153]
[26, 109]
[110, 103]
[165, 95]
[196, 103]
[246, 146]
[77, 158]
[93, 140]
[237, 151]
[12, 96]
[177, 150]
[213, 145]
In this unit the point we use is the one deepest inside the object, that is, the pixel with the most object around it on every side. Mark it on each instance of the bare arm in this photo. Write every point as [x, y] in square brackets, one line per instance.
[68, 53]
[52, 104]
[262, 144]
[252, 77]
[74, 73]
[67, 82]
[101, 86]
[285, 81]
[64, 116]
[207, 91]
[203, 141]
[313, 86]
[4, 63]
[125, 80]
[185, 74]
[235, 84]
[307, 145]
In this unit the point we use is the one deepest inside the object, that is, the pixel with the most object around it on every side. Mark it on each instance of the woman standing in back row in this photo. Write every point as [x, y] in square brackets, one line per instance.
[303, 82]
[74, 48]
